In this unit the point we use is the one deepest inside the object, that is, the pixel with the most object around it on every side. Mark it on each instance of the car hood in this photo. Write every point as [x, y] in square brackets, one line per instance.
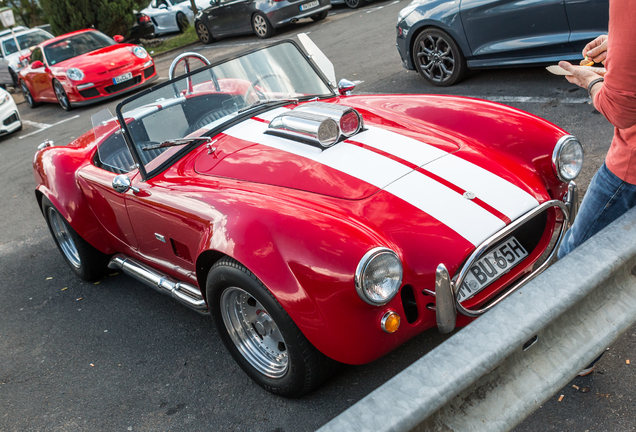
[352, 169]
[102, 60]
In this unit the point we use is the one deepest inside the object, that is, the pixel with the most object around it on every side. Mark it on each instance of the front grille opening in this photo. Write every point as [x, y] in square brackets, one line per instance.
[529, 234]
[11, 119]
[409, 304]
[148, 72]
[91, 92]
[124, 85]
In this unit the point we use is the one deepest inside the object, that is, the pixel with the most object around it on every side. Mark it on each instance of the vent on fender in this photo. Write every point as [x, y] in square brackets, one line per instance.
[181, 250]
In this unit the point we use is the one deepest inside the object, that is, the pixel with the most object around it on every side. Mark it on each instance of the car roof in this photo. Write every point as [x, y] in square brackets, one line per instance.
[15, 29]
[64, 36]
[7, 36]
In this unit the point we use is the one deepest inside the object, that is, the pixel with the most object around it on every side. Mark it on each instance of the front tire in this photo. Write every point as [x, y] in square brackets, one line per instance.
[86, 262]
[438, 59]
[204, 33]
[260, 336]
[61, 96]
[262, 26]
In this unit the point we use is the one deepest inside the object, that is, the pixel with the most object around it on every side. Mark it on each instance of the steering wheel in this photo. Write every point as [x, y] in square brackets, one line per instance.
[259, 94]
[185, 57]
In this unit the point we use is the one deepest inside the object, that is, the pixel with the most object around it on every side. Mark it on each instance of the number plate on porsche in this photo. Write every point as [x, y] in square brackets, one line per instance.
[309, 5]
[490, 267]
[122, 78]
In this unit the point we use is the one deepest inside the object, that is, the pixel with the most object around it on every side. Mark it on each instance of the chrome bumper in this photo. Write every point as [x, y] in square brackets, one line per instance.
[446, 304]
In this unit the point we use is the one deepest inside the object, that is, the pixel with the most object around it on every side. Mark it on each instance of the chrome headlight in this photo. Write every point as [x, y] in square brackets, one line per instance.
[567, 158]
[140, 52]
[75, 74]
[378, 276]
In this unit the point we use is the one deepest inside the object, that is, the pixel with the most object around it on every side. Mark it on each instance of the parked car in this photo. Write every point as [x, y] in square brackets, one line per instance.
[142, 29]
[262, 17]
[353, 4]
[82, 67]
[442, 40]
[315, 227]
[172, 15]
[9, 115]
[10, 63]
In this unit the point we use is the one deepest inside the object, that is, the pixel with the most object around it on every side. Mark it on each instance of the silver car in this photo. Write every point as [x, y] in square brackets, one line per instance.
[172, 15]
[10, 64]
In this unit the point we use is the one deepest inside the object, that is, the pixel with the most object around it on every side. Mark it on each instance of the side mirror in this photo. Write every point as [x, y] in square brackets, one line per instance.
[163, 6]
[121, 184]
[118, 38]
[345, 87]
[37, 64]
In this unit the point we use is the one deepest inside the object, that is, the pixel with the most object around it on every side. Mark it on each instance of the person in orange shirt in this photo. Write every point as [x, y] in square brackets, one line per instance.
[612, 191]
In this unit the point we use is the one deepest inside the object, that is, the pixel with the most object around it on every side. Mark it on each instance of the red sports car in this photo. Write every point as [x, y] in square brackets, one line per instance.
[82, 67]
[316, 228]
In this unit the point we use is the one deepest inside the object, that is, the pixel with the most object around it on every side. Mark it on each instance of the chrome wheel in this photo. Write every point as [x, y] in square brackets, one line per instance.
[61, 96]
[260, 25]
[27, 94]
[63, 237]
[435, 57]
[254, 332]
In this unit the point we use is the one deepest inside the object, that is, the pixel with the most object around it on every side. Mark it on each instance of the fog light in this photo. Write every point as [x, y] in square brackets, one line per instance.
[390, 322]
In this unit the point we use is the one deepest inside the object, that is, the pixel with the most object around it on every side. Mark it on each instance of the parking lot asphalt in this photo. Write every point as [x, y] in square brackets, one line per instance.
[77, 356]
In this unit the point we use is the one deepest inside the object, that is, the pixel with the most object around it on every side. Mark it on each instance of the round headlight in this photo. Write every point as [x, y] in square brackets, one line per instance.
[75, 74]
[567, 158]
[378, 276]
[140, 52]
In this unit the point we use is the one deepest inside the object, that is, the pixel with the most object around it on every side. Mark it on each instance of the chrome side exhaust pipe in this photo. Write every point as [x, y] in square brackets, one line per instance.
[184, 293]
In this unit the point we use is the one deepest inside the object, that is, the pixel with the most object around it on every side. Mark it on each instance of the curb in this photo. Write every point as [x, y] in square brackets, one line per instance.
[174, 49]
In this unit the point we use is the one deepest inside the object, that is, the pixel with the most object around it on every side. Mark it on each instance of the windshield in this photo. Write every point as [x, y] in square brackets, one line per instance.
[77, 45]
[26, 41]
[212, 98]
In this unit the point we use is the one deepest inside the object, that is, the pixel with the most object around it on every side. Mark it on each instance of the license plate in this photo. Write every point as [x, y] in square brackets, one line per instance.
[309, 5]
[122, 78]
[490, 267]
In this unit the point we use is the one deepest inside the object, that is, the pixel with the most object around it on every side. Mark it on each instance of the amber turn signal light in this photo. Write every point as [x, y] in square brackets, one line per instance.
[390, 322]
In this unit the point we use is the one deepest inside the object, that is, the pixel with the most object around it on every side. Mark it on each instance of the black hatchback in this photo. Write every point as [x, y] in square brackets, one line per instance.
[263, 17]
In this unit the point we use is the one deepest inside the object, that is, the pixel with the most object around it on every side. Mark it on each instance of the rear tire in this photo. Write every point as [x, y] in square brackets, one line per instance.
[27, 95]
[86, 262]
[353, 4]
[204, 33]
[262, 338]
[321, 16]
[262, 26]
[14, 77]
[182, 22]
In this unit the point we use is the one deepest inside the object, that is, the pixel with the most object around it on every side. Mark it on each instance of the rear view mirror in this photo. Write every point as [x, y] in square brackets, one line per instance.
[37, 64]
[118, 38]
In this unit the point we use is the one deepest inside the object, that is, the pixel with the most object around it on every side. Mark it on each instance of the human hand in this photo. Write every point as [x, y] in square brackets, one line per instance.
[600, 71]
[596, 50]
[581, 75]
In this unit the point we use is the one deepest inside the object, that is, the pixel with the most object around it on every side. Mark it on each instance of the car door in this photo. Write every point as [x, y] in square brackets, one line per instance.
[228, 17]
[515, 28]
[41, 79]
[588, 19]
[165, 15]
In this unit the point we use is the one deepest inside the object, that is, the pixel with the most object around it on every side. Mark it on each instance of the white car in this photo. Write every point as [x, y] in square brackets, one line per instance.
[172, 15]
[10, 65]
[9, 115]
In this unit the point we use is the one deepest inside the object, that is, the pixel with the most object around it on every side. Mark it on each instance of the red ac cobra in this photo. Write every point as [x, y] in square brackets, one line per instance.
[83, 67]
[316, 228]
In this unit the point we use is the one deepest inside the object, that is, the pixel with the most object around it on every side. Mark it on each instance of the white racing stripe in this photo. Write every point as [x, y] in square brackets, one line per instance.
[463, 216]
[490, 188]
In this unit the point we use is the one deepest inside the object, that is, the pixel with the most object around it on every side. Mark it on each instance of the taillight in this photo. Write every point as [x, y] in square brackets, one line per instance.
[144, 19]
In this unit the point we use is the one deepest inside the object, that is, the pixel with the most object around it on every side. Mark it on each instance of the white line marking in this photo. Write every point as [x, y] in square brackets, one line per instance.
[36, 124]
[46, 126]
[395, 2]
[375, 9]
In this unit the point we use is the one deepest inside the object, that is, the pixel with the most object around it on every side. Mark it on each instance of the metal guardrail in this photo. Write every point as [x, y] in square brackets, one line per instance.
[482, 379]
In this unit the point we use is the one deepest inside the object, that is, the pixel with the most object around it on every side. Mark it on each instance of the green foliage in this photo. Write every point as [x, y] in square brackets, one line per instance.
[113, 17]
[26, 12]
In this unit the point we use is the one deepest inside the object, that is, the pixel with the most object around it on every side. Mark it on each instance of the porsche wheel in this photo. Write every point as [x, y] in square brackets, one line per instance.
[260, 336]
[262, 26]
[27, 95]
[61, 96]
[438, 59]
[86, 262]
[182, 22]
[321, 16]
[205, 36]
[353, 4]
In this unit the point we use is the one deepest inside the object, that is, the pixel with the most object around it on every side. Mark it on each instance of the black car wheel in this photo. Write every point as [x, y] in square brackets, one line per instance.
[203, 32]
[14, 77]
[61, 96]
[438, 58]
[353, 4]
[260, 336]
[182, 22]
[86, 262]
[27, 95]
[321, 16]
[261, 26]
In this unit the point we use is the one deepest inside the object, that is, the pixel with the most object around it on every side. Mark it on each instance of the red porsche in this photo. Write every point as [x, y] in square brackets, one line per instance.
[314, 226]
[82, 67]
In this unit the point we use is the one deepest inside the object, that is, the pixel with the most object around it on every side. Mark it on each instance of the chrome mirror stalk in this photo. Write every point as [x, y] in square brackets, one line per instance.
[121, 184]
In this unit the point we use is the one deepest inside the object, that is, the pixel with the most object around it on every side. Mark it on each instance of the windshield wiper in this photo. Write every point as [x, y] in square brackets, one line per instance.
[265, 102]
[176, 142]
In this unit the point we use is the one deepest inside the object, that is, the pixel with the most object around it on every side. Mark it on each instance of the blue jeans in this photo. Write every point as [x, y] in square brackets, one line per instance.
[606, 199]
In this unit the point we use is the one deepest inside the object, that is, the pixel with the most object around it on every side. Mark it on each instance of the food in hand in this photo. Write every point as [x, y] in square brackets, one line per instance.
[586, 62]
